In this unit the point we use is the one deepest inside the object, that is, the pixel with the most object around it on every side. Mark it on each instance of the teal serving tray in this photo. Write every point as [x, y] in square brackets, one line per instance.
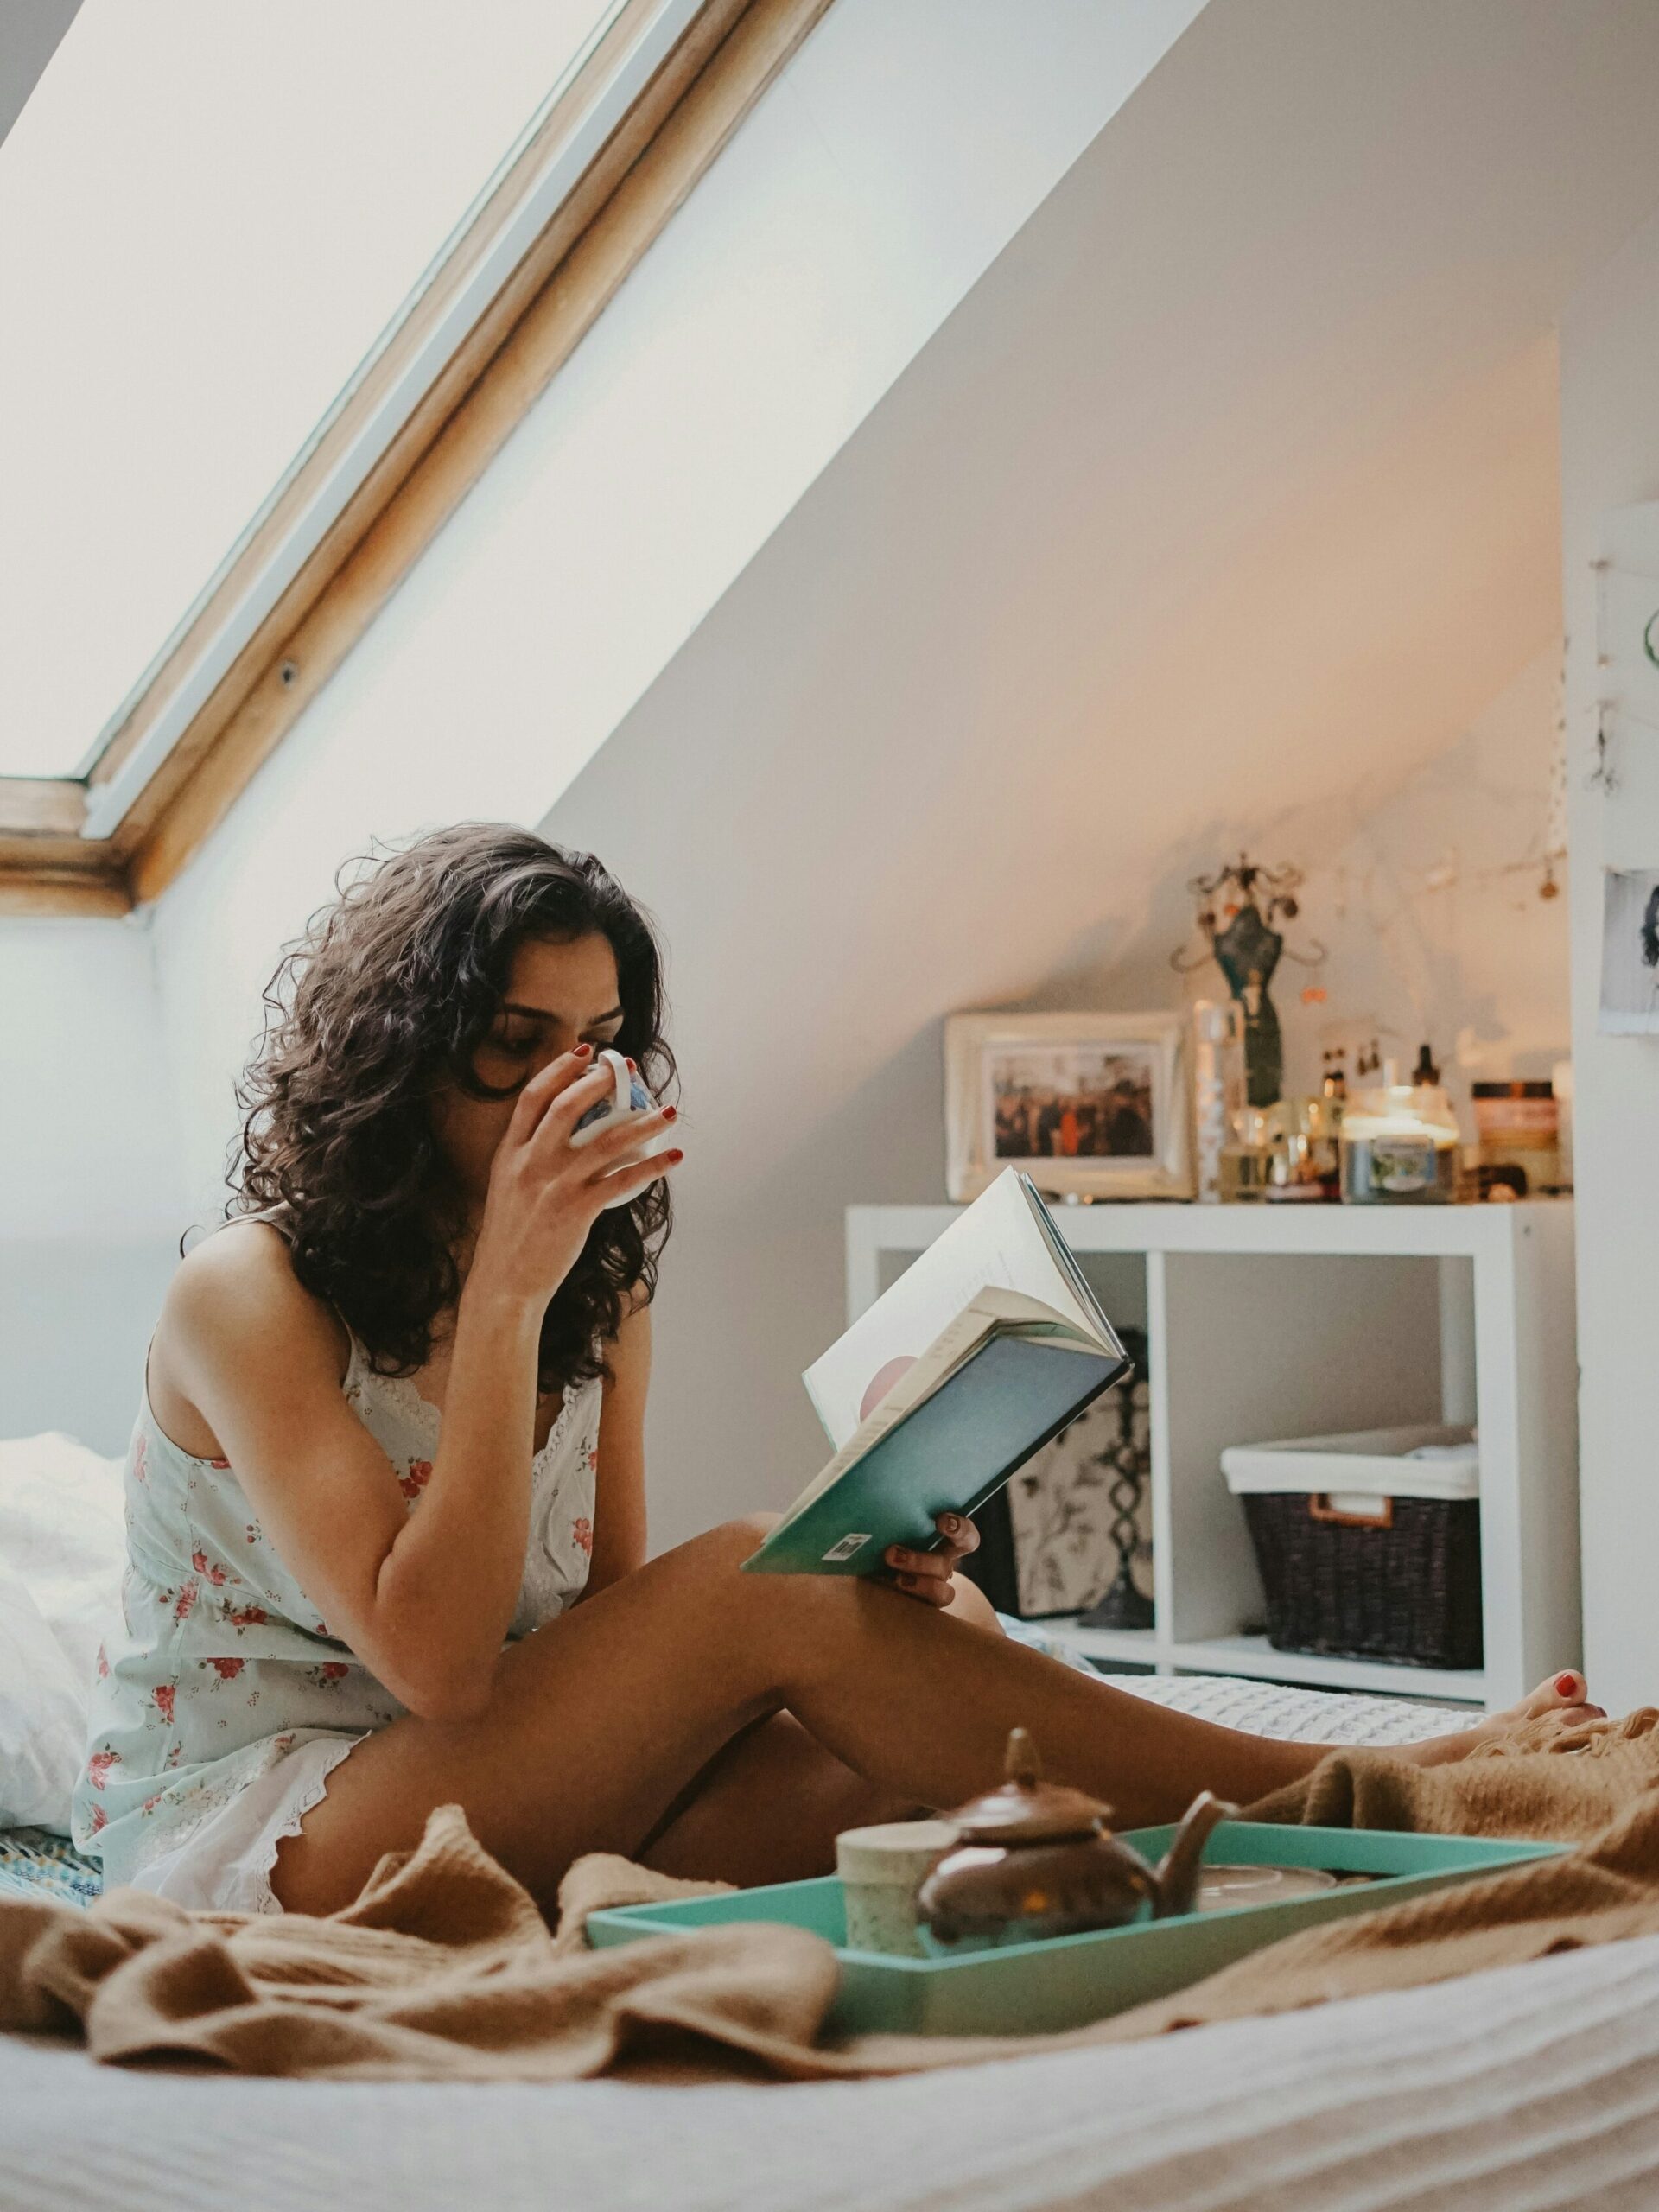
[1067, 1981]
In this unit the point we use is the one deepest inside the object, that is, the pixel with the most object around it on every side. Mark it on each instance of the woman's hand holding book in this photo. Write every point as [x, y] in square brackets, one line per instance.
[927, 1576]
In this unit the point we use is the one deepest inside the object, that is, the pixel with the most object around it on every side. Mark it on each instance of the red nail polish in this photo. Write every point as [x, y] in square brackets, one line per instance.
[1566, 1684]
[675, 1155]
[631, 1068]
[583, 1051]
[671, 1113]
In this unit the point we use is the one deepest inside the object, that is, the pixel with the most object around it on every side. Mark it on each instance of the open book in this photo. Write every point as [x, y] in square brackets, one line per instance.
[987, 1346]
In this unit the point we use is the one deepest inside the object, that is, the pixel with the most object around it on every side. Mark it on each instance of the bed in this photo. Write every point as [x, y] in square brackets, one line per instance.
[1534, 2087]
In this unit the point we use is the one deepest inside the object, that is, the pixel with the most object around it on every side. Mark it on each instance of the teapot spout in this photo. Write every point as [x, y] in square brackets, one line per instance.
[1177, 1877]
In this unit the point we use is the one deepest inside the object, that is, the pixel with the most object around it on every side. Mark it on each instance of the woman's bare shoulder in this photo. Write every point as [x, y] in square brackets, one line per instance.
[239, 1286]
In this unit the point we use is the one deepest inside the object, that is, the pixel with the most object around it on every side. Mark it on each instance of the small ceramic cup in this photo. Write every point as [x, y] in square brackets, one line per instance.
[880, 1870]
[628, 1096]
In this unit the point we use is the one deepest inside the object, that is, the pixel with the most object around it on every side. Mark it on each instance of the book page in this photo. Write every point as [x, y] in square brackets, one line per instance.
[991, 1308]
[997, 1243]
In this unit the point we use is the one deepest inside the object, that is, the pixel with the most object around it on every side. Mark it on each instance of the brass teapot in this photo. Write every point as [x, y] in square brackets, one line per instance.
[1036, 1858]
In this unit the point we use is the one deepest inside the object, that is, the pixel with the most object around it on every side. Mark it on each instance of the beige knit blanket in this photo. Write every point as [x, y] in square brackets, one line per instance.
[443, 1969]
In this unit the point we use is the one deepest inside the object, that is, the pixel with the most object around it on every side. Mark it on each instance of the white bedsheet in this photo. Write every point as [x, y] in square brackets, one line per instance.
[1536, 2087]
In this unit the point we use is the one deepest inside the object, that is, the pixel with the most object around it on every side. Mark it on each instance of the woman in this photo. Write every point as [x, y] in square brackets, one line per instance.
[392, 1424]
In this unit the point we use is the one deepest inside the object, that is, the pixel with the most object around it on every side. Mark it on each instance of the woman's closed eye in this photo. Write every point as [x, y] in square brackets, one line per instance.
[525, 1045]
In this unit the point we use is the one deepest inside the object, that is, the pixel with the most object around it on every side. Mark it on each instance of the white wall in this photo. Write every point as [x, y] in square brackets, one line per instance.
[1610, 458]
[820, 252]
[1426, 898]
[33, 30]
[1180, 525]
[807, 996]
[1422, 887]
[89, 1210]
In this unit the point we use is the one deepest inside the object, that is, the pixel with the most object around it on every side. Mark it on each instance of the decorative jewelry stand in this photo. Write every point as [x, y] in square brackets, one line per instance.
[1238, 906]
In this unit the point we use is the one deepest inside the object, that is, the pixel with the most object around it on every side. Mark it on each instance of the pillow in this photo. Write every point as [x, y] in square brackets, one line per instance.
[42, 1716]
[62, 1550]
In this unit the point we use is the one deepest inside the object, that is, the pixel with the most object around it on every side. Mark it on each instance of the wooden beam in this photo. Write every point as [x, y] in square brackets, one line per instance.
[24, 891]
[45, 866]
[654, 159]
[42, 806]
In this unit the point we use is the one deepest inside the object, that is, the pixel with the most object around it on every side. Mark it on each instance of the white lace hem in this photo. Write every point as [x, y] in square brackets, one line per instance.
[225, 1862]
[310, 1795]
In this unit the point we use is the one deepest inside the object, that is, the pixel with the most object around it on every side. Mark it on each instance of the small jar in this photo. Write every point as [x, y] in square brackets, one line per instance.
[1247, 1157]
[1304, 1161]
[1218, 1089]
[1517, 1127]
[1400, 1147]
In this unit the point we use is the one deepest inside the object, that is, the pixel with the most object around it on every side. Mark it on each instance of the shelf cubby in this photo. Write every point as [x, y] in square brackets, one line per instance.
[1266, 1322]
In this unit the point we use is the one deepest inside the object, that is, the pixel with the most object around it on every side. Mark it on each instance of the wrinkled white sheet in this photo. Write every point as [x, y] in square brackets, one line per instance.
[1535, 2088]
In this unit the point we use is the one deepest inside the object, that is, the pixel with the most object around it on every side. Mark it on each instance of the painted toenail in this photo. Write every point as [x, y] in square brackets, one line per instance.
[1566, 1684]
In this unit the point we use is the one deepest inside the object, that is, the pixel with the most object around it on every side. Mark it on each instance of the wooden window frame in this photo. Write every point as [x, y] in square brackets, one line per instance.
[594, 185]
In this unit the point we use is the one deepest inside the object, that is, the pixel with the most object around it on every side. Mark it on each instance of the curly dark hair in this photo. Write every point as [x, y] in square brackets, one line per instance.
[384, 1001]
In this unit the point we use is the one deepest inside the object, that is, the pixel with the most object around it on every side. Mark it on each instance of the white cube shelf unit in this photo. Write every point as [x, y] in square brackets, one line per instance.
[1266, 1322]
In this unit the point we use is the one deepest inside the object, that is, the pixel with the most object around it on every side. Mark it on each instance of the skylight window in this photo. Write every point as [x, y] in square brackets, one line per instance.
[209, 214]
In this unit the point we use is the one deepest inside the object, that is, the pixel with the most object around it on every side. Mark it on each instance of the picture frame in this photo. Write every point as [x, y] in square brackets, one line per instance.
[1092, 1106]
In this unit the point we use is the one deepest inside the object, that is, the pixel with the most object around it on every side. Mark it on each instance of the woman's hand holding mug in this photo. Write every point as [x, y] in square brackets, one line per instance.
[545, 1194]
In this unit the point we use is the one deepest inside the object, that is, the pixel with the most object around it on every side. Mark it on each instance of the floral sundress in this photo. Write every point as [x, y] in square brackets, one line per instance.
[221, 1667]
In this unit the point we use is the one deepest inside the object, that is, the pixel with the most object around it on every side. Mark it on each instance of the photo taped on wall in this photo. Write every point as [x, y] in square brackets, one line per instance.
[1630, 954]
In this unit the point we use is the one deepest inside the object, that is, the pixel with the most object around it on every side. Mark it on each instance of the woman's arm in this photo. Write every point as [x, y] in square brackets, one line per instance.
[620, 1491]
[414, 1595]
[423, 1599]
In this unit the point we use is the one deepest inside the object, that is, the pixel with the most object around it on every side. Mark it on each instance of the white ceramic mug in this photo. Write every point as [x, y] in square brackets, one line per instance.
[628, 1096]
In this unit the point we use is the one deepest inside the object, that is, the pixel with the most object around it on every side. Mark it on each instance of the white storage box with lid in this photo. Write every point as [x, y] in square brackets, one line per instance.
[1368, 1544]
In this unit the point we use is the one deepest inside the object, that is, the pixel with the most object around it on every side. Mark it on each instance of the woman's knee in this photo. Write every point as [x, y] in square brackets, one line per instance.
[970, 1602]
[717, 1556]
[738, 1540]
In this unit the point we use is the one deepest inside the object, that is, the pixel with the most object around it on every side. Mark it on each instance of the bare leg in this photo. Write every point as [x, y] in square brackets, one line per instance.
[601, 1721]
[767, 1808]
[770, 1806]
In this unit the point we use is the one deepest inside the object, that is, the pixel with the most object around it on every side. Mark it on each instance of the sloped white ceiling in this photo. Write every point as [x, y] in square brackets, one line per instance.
[1231, 487]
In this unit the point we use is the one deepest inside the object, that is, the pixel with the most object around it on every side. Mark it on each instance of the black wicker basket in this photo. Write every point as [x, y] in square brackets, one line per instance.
[1403, 1584]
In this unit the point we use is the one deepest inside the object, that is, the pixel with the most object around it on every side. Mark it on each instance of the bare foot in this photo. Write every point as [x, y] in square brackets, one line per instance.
[1562, 1701]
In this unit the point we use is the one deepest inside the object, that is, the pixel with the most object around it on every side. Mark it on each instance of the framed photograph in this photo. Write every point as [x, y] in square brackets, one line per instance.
[1630, 954]
[1090, 1105]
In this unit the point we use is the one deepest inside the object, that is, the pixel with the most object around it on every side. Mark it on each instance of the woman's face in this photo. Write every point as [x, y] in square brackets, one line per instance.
[557, 997]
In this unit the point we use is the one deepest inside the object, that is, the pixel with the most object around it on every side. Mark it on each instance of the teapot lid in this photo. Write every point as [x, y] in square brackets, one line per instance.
[1027, 1809]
